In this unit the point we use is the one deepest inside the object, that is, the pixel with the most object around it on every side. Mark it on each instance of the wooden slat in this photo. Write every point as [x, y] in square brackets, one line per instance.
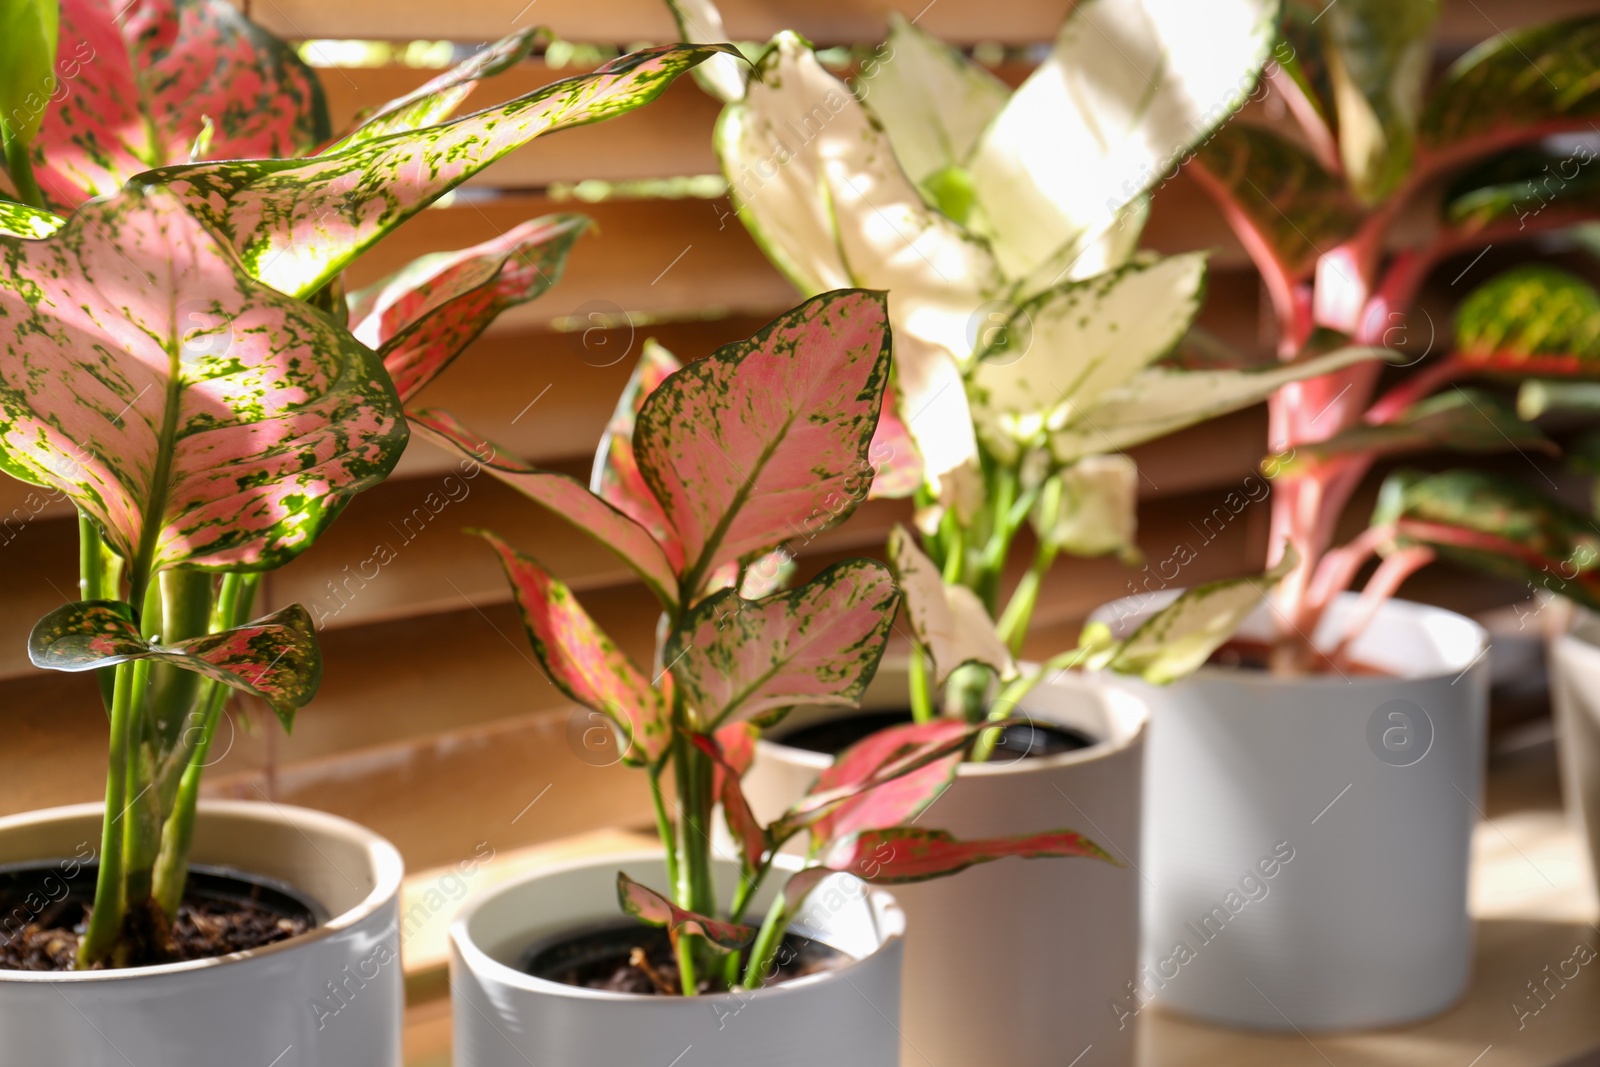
[1015, 22]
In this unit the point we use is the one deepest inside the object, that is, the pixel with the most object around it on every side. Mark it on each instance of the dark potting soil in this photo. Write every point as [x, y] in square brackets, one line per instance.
[44, 911]
[1030, 740]
[638, 959]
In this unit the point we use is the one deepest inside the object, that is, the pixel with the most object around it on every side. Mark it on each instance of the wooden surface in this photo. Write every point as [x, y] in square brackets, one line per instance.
[1531, 895]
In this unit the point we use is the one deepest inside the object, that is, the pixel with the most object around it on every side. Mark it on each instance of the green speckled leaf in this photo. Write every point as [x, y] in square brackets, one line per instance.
[437, 100]
[20, 220]
[1179, 638]
[819, 644]
[1533, 188]
[198, 417]
[1463, 420]
[1277, 197]
[274, 657]
[1531, 320]
[1518, 86]
[653, 909]
[299, 222]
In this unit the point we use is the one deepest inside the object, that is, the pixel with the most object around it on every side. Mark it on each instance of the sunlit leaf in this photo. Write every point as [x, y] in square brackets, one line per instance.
[652, 908]
[197, 416]
[1531, 320]
[1093, 510]
[20, 220]
[616, 476]
[949, 620]
[274, 658]
[423, 316]
[819, 644]
[699, 22]
[898, 800]
[1179, 638]
[743, 447]
[299, 222]
[581, 661]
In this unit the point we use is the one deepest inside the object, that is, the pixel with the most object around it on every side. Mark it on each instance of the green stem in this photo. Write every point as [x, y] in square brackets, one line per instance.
[664, 828]
[1013, 693]
[765, 949]
[105, 920]
[921, 687]
[20, 166]
[94, 583]
[1013, 625]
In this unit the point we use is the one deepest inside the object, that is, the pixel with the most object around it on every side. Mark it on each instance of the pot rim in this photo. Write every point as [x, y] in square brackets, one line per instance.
[1110, 697]
[480, 962]
[384, 858]
[1413, 610]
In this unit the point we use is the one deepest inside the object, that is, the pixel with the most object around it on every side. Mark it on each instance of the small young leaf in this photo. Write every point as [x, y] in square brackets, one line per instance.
[438, 99]
[1531, 320]
[949, 621]
[616, 477]
[563, 495]
[142, 80]
[274, 658]
[298, 222]
[423, 316]
[896, 855]
[1179, 638]
[581, 660]
[653, 909]
[819, 644]
[743, 447]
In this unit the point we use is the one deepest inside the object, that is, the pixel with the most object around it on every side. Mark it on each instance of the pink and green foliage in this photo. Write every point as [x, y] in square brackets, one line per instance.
[653, 909]
[422, 317]
[616, 477]
[819, 644]
[298, 222]
[744, 446]
[274, 658]
[145, 83]
[1320, 221]
[198, 417]
[582, 661]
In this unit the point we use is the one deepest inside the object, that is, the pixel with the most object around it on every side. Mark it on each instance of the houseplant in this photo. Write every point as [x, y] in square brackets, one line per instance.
[704, 471]
[1361, 750]
[1033, 344]
[189, 383]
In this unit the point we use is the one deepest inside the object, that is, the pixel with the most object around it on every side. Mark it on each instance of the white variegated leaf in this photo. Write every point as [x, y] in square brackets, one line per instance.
[818, 186]
[1070, 346]
[1157, 401]
[699, 22]
[1128, 88]
[1095, 510]
[948, 620]
[1179, 638]
[932, 100]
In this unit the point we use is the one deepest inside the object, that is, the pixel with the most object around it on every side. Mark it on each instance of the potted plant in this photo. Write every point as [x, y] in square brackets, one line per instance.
[1032, 345]
[704, 472]
[203, 404]
[1347, 733]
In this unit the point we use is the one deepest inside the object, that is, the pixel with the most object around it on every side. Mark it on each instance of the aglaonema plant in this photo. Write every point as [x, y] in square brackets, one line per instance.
[705, 470]
[1033, 343]
[1330, 212]
[177, 356]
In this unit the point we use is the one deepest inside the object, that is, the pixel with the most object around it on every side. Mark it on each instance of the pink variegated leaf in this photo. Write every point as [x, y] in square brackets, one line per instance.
[563, 495]
[298, 222]
[139, 80]
[943, 742]
[742, 822]
[896, 463]
[195, 415]
[737, 743]
[421, 317]
[437, 100]
[769, 436]
[898, 800]
[819, 644]
[653, 909]
[900, 854]
[616, 474]
[274, 658]
[581, 660]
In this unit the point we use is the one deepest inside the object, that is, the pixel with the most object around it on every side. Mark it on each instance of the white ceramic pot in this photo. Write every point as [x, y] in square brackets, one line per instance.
[1017, 962]
[1307, 839]
[504, 1017]
[1575, 688]
[331, 997]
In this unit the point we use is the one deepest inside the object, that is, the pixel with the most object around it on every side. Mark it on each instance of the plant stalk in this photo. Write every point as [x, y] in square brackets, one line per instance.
[105, 920]
[768, 940]
[19, 165]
